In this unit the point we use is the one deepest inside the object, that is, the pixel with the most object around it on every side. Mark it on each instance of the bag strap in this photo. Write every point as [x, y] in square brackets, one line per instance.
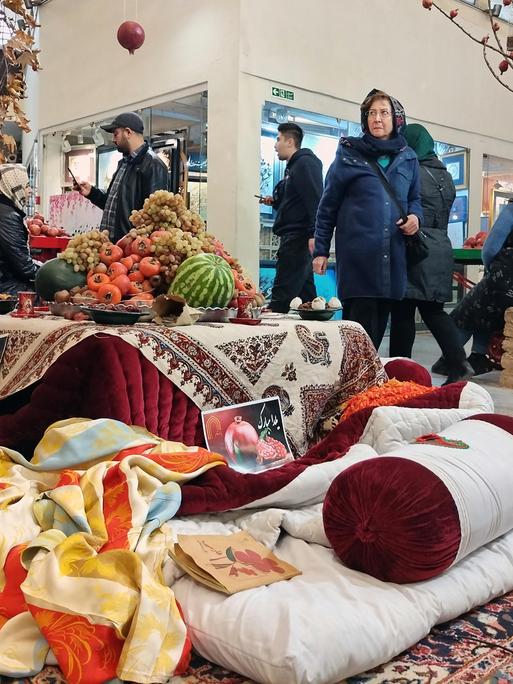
[386, 184]
[437, 185]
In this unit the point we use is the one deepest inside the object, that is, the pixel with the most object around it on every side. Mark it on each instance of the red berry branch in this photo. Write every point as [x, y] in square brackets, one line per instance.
[507, 56]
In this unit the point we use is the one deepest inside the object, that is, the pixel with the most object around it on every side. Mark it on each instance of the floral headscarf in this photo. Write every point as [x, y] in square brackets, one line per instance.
[13, 181]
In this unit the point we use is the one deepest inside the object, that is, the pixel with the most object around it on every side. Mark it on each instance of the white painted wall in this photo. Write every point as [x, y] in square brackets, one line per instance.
[189, 46]
[330, 53]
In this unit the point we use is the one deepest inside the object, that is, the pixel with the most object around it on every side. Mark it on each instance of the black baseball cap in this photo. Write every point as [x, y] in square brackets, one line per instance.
[125, 120]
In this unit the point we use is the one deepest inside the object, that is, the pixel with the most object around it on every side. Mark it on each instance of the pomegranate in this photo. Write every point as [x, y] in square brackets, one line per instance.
[131, 36]
[241, 436]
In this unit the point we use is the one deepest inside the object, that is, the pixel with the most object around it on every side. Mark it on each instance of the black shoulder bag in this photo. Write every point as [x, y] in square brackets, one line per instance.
[416, 245]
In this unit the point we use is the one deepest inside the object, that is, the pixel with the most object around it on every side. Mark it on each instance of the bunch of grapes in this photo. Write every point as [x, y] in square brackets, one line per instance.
[83, 250]
[164, 210]
[175, 245]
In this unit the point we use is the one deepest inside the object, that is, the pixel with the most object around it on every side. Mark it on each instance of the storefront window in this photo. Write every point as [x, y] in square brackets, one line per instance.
[456, 159]
[497, 188]
[321, 135]
[177, 131]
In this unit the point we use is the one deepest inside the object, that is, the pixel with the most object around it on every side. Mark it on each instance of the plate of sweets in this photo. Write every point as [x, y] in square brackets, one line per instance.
[113, 314]
[317, 310]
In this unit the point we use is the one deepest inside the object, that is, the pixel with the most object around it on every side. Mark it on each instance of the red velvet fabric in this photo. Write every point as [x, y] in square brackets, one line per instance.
[503, 422]
[393, 519]
[103, 377]
[406, 370]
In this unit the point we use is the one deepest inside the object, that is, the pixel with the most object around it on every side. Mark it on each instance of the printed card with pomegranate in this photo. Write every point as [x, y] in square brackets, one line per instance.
[250, 436]
[230, 563]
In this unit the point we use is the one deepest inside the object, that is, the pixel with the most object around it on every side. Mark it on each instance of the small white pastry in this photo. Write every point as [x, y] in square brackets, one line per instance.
[318, 304]
[296, 303]
[334, 303]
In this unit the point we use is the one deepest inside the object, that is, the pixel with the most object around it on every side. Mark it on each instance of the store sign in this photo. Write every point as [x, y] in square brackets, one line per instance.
[281, 92]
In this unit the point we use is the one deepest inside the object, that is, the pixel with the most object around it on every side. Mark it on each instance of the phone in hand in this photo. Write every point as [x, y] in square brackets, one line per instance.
[75, 182]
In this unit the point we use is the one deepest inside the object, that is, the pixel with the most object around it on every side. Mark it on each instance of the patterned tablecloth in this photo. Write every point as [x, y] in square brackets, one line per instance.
[311, 366]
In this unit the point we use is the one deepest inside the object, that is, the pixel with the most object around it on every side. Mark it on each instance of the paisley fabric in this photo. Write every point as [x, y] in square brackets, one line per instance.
[82, 549]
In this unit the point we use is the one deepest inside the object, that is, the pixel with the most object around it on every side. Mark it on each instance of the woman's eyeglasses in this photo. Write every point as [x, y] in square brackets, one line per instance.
[383, 113]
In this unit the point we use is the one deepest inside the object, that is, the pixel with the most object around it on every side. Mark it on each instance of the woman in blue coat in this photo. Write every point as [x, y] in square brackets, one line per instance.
[370, 244]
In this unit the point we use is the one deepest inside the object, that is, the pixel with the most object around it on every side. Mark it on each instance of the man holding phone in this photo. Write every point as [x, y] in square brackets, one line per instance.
[140, 172]
[295, 199]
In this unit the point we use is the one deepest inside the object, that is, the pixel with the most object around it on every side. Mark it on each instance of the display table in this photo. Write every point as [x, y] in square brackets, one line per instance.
[467, 257]
[45, 248]
[309, 365]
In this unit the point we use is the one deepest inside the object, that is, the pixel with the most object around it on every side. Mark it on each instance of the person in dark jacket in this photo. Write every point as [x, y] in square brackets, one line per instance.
[17, 269]
[480, 313]
[140, 172]
[430, 281]
[295, 199]
[370, 235]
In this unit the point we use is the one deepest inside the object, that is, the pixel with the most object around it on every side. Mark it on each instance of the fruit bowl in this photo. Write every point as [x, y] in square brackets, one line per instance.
[7, 305]
[315, 315]
[112, 316]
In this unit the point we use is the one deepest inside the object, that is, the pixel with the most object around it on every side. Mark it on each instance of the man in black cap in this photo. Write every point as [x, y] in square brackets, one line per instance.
[140, 172]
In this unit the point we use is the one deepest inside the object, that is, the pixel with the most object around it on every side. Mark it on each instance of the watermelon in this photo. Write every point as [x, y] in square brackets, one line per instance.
[55, 275]
[204, 280]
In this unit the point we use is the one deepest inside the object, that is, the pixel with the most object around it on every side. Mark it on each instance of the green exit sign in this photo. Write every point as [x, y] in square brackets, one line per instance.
[281, 92]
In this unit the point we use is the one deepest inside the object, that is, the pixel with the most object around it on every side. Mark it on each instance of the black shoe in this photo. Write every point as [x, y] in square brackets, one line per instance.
[440, 367]
[460, 373]
[482, 364]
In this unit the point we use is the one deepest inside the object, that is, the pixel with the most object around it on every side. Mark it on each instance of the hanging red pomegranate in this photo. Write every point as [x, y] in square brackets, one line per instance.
[131, 36]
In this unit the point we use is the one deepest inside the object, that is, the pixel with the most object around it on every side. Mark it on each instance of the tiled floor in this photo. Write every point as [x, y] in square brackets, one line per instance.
[426, 352]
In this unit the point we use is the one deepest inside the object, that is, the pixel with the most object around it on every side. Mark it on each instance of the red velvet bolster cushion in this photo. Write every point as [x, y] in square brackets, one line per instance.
[407, 370]
[393, 519]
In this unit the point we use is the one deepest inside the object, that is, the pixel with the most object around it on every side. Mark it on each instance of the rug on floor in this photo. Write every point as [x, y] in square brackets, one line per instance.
[475, 648]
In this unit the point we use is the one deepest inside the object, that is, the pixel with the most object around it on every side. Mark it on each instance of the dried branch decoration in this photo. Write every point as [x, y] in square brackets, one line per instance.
[16, 55]
[507, 55]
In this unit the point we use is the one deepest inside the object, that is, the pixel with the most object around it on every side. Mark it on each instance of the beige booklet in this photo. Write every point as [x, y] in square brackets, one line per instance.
[230, 563]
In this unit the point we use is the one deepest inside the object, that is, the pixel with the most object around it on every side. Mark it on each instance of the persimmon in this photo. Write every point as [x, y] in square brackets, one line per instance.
[136, 258]
[123, 282]
[141, 246]
[142, 297]
[243, 284]
[109, 294]
[136, 287]
[116, 269]
[149, 266]
[147, 286]
[96, 280]
[127, 262]
[136, 276]
[110, 253]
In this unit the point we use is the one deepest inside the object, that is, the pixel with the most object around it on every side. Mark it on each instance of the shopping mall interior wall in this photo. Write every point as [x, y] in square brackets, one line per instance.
[85, 70]
[345, 49]
[87, 75]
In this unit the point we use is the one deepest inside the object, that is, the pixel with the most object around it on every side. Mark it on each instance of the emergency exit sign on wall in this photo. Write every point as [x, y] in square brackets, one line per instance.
[281, 92]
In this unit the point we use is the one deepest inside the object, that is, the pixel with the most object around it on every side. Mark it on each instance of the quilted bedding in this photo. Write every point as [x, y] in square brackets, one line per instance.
[283, 633]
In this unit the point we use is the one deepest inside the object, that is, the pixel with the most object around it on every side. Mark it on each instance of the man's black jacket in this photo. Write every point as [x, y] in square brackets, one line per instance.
[144, 174]
[297, 196]
[17, 270]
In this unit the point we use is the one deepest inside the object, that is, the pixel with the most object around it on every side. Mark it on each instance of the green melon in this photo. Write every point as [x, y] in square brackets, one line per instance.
[204, 280]
[55, 275]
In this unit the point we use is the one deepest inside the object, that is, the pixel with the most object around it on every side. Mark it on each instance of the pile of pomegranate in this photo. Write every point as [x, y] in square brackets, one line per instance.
[37, 226]
[476, 241]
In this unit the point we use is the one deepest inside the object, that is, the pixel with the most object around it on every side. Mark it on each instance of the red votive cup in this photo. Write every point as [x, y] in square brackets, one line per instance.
[26, 302]
[244, 305]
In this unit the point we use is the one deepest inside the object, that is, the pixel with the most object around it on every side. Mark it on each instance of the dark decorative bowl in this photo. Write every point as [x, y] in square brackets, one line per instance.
[313, 315]
[109, 317]
[7, 305]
